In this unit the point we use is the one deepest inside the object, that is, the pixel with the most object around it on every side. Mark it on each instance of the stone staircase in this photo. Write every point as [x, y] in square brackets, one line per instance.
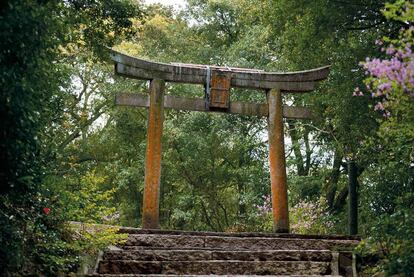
[176, 253]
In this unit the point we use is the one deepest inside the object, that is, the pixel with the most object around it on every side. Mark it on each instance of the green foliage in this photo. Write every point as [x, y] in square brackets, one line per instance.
[48, 244]
[28, 80]
[89, 239]
[308, 217]
[400, 10]
[83, 199]
[67, 148]
[216, 153]
[390, 181]
[219, 180]
[34, 78]
[391, 239]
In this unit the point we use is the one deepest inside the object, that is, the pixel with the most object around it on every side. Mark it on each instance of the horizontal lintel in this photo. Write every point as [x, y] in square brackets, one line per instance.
[312, 75]
[197, 104]
[248, 83]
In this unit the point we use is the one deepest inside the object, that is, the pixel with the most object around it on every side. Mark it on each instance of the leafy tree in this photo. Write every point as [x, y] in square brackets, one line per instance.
[33, 80]
[391, 178]
[70, 150]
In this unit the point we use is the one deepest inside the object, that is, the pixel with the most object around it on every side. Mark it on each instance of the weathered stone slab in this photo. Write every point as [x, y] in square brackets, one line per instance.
[275, 243]
[122, 267]
[185, 275]
[154, 240]
[175, 253]
[235, 243]
[159, 255]
[131, 230]
[278, 255]
[194, 255]
[214, 267]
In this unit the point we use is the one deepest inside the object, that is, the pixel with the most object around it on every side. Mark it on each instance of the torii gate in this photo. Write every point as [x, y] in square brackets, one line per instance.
[217, 81]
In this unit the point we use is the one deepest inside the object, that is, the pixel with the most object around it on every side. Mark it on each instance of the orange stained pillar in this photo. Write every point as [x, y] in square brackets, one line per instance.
[277, 162]
[150, 214]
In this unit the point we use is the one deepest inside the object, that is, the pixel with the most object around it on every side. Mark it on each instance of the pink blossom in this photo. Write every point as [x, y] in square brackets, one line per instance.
[390, 50]
[379, 106]
[396, 72]
[384, 86]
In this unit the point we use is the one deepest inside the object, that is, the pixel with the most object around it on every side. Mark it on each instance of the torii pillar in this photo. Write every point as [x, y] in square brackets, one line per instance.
[150, 215]
[277, 162]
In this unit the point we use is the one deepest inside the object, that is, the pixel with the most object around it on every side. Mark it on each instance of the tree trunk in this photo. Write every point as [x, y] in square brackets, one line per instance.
[353, 197]
[332, 182]
[294, 135]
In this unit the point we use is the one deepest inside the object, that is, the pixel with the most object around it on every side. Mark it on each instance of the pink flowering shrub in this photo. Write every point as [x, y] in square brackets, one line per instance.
[264, 208]
[263, 214]
[393, 77]
[391, 80]
[309, 217]
[391, 83]
[306, 217]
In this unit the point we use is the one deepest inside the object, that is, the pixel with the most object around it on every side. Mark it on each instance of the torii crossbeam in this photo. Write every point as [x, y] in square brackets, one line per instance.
[217, 81]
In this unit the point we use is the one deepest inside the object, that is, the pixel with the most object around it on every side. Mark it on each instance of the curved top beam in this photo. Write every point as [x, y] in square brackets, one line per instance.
[298, 81]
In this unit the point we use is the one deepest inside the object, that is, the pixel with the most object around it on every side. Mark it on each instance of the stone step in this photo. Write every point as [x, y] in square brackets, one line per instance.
[172, 275]
[131, 230]
[214, 267]
[235, 243]
[194, 255]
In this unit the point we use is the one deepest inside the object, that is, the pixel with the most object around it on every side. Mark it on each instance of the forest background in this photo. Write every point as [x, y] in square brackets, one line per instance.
[69, 154]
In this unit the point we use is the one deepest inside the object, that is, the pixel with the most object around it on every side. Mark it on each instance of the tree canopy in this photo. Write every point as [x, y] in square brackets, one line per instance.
[69, 154]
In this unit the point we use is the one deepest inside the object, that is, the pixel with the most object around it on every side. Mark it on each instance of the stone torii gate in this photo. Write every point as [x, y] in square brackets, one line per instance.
[217, 81]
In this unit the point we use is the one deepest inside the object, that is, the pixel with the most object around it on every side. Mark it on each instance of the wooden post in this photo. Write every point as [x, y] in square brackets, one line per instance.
[353, 198]
[277, 162]
[150, 214]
